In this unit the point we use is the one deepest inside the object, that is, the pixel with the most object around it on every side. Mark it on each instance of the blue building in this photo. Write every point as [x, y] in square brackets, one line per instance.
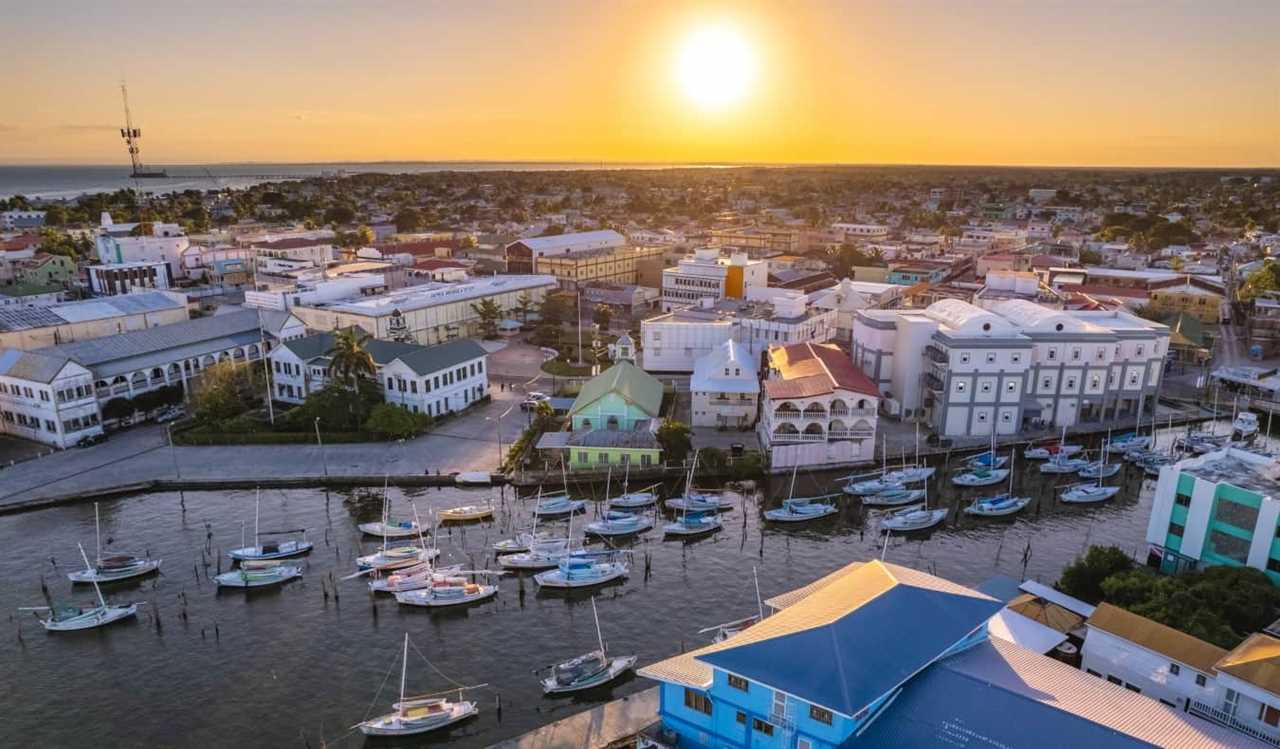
[877, 655]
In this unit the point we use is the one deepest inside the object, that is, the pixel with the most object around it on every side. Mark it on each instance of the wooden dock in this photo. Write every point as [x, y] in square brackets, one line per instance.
[608, 725]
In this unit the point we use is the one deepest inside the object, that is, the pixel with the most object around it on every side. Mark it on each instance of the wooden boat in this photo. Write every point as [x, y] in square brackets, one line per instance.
[893, 498]
[467, 512]
[74, 618]
[114, 567]
[588, 670]
[247, 577]
[584, 569]
[614, 523]
[417, 715]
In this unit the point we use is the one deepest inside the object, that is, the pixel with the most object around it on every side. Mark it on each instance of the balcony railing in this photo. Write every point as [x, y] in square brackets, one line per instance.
[848, 412]
[1231, 721]
[731, 401]
[798, 437]
[849, 434]
[932, 381]
[936, 354]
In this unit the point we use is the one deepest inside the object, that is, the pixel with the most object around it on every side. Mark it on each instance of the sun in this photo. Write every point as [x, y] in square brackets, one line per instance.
[716, 67]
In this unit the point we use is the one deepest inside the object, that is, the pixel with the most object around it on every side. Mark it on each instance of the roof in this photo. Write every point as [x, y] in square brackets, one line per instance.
[1011, 626]
[1256, 660]
[1156, 637]
[293, 243]
[998, 694]
[635, 439]
[847, 643]
[1185, 330]
[810, 369]
[585, 240]
[100, 308]
[28, 289]
[427, 359]
[420, 359]
[784, 600]
[31, 365]
[707, 370]
[424, 296]
[1044, 612]
[1040, 590]
[637, 387]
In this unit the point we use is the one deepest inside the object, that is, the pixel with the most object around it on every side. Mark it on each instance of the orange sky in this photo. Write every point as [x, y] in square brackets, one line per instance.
[1105, 83]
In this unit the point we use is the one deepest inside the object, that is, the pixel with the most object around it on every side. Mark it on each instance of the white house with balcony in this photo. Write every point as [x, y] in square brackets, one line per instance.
[725, 387]
[433, 380]
[818, 410]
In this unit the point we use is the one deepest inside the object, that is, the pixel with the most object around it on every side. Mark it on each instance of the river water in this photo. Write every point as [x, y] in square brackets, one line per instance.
[290, 666]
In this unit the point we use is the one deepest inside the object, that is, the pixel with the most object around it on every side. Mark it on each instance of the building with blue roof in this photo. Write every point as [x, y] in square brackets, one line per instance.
[878, 655]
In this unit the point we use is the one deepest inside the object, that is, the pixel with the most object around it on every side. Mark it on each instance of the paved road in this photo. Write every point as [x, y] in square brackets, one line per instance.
[468, 443]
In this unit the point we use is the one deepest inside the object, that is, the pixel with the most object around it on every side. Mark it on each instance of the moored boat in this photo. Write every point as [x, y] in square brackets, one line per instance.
[417, 715]
[913, 519]
[584, 569]
[614, 523]
[588, 670]
[799, 510]
[114, 567]
[893, 498]
[997, 506]
[980, 477]
[467, 513]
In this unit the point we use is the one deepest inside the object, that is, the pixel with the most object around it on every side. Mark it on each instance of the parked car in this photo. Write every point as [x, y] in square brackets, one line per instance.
[532, 400]
[91, 439]
[170, 414]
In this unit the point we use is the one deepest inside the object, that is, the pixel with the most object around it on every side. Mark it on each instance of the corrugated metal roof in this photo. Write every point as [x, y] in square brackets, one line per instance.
[997, 694]
[1014, 627]
[637, 387]
[810, 369]
[857, 638]
[583, 239]
[1047, 613]
[1156, 637]
[784, 600]
[138, 343]
[1256, 660]
[421, 359]
[31, 365]
[1040, 590]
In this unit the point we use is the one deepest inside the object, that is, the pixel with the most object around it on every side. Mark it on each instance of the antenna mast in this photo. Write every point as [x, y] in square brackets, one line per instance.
[130, 133]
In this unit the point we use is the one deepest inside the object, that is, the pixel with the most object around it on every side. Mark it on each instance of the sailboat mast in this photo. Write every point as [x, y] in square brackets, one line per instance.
[1013, 457]
[257, 500]
[404, 670]
[386, 517]
[608, 478]
[101, 601]
[97, 532]
[596, 615]
[791, 493]
[421, 541]
[759, 603]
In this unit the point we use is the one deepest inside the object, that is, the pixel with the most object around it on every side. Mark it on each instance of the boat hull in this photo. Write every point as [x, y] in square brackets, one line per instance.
[393, 725]
[990, 510]
[1082, 498]
[97, 617]
[897, 500]
[783, 516]
[606, 530]
[107, 576]
[291, 549]
[634, 500]
[617, 667]
[425, 599]
[972, 479]
[556, 579]
[239, 579]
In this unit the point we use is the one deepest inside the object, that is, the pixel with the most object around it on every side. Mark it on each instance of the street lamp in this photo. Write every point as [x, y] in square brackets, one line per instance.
[320, 444]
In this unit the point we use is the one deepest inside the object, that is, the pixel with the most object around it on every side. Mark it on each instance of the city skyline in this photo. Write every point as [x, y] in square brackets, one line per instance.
[1081, 84]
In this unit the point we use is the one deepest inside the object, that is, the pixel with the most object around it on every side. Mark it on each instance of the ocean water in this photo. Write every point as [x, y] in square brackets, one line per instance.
[69, 181]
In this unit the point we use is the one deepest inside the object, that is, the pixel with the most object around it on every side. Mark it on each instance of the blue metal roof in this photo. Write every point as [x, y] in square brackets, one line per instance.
[846, 662]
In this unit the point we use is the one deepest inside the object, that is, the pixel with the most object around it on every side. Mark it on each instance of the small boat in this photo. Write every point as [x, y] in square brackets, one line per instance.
[251, 577]
[583, 569]
[473, 478]
[633, 500]
[981, 477]
[1127, 441]
[1052, 449]
[729, 629]
[693, 524]
[589, 670]
[521, 542]
[111, 568]
[893, 498]
[1086, 493]
[913, 519]
[447, 590]
[558, 506]
[799, 510]
[389, 527]
[417, 715]
[395, 557]
[997, 506]
[1151, 466]
[540, 556]
[279, 550]
[1200, 443]
[1062, 464]
[410, 578]
[698, 502]
[985, 460]
[1137, 455]
[872, 486]
[1099, 470]
[73, 618]
[467, 512]
[614, 523]
[1245, 426]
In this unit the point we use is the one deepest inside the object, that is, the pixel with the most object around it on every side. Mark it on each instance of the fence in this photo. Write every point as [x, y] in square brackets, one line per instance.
[1231, 721]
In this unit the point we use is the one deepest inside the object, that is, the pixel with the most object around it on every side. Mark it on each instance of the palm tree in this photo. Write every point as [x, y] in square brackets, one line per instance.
[348, 358]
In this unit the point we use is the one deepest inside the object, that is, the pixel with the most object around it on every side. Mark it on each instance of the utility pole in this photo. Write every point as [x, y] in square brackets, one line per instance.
[266, 367]
[324, 463]
[579, 327]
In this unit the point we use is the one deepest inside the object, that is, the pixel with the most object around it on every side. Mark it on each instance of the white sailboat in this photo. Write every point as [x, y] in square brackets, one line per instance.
[800, 509]
[114, 567]
[588, 670]
[396, 557]
[542, 554]
[1100, 468]
[1001, 504]
[982, 475]
[449, 589]
[72, 618]
[914, 518]
[629, 500]
[584, 569]
[387, 526]
[281, 550]
[419, 714]
[729, 629]
[701, 522]
[258, 574]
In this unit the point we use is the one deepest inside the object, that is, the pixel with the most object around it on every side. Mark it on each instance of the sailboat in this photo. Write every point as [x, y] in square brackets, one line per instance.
[258, 573]
[583, 569]
[888, 480]
[982, 475]
[467, 513]
[1088, 493]
[558, 505]
[729, 629]
[449, 589]
[542, 554]
[617, 523]
[588, 670]
[693, 500]
[798, 510]
[914, 518]
[1000, 504]
[282, 550]
[628, 500]
[390, 558]
[387, 526]
[71, 618]
[985, 460]
[893, 497]
[1100, 468]
[1052, 449]
[701, 522]
[114, 567]
[418, 714]
[404, 579]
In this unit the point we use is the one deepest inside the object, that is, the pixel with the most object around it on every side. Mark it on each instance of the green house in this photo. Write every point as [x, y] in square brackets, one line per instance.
[602, 448]
[617, 399]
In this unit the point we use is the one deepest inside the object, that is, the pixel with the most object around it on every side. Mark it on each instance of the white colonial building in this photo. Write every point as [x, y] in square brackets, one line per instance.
[725, 387]
[817, 409]
[433, 380]
[966, 370]
[46, 398]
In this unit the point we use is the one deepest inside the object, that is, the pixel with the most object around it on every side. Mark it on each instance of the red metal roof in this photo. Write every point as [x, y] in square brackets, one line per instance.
[811, 369]
[20, 242]
[421, 247]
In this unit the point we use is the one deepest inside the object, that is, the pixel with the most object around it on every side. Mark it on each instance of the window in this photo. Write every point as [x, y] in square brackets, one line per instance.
[1052, 354]
[582, 456]
[1101, 354]
[413, 386]
[1091, 672]
[1177, 530]
[1015, 358]
[1273, 565]
[986, 387]
[982, 417]
[1269, 715]
[803, 743]
[741, 717]
[991, 357]
[646, 459]
[1200, 680]
[959, 386]
[1095, 382]
[964, 357]
[1006, 417]
[1047, 384]
[1011, 387]
[1139, 349]
[762, 727]
[1175, 669]
[1075, 354]
[1132, 688]
[1071, 383]
[1113, 679]
[603, 458]
[822, 715]
[739, 683]
[697, 701]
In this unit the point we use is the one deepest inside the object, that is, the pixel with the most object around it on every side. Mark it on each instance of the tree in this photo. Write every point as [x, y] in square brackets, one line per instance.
[524, 305]
[1083, 577]
[395, 421]
[552, 230]
[223, 391]
[489, 313]
[408, 219]
[338, 408]
[1266, 278]
[58, 243]
[553, 310]
[603, 315]
[339, 214]
[544, 416]
[348, 359]
[675, 440]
